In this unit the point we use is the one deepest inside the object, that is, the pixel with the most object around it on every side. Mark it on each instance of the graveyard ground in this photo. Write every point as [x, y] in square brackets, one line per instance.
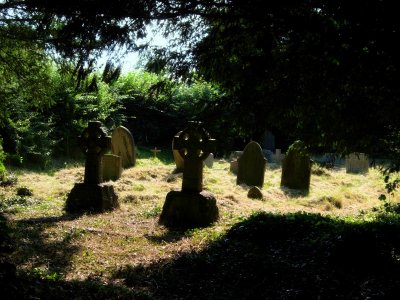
[339, 241]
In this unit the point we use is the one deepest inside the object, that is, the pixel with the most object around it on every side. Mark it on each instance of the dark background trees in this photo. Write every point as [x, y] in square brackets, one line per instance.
[322, 71]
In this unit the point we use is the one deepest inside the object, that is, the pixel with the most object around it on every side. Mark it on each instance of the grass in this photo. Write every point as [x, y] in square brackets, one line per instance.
[125, 253]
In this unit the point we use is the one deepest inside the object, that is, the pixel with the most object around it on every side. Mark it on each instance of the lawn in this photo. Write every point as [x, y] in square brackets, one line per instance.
[335, 242]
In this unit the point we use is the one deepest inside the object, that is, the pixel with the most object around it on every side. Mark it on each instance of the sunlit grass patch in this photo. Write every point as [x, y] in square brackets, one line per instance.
[95, 245]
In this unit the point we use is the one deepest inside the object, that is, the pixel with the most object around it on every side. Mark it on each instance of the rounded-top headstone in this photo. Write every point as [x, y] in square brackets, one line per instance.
[179, 162]
[122, 144]
[251, 166]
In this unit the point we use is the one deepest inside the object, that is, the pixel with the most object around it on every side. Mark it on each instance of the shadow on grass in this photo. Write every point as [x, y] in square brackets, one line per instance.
[170, 236]
[267, 256]
[36, 246]
[295, 256]
[27, 241]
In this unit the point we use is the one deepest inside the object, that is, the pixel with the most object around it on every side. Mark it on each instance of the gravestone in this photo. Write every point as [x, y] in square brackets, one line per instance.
[191, 207]
[209, 161]
[112, 167]
[233, 167]
[179, 162]
[296, 168]
[122, 144]
[357, 163]
[268, 141]
[255, 193]
[278, 156]
[92, 195]
[235, 155]
[251, 166]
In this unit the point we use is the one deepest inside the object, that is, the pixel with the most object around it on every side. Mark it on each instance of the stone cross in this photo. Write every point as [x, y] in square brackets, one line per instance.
[194, 145]
[155, 151]
[94, 143]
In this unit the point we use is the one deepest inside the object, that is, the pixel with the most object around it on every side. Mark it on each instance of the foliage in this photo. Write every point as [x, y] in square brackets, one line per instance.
[299, 148]
[2, 158]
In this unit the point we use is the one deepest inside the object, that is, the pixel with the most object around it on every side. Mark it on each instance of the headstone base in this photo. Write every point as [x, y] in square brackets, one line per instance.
[189, 210]
[86, 197]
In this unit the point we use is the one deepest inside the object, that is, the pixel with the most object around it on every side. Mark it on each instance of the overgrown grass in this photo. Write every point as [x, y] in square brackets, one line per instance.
[272, 247]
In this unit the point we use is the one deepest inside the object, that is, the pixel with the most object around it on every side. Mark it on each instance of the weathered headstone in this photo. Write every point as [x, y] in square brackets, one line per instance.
[255, 193]
[179, 162]
[278, 156]
[191, 207]
[92, 195]
[268, 141]
[251, 166]
[112, 167]
[235, 155]
[357, 163]
[233, 167]
[122, 144]
[296, 168]
[209, 161]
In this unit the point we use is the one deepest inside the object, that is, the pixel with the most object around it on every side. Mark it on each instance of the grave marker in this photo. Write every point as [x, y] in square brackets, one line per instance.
[92, 195]
[296, 168]
[179, 162]
[123, 144]
[112, 167]
[357, 163]
[191, 207]
[251, 166]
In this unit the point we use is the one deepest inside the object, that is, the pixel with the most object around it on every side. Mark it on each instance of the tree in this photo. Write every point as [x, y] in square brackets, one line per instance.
[322, 71]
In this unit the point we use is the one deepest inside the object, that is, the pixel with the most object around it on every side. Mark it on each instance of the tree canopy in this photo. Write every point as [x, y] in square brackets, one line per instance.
[323, 71]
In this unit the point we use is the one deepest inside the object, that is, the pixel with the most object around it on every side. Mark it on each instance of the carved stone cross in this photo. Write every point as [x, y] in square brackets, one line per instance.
[94, 143]
[194, 145]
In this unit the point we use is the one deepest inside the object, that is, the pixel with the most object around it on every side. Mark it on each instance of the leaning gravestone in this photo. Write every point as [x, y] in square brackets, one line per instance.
[192, 207]
[251, 166]
[296, 168]
[112, 167]
[179, 162]
[92, 195]
[122, 144]
[357, 163]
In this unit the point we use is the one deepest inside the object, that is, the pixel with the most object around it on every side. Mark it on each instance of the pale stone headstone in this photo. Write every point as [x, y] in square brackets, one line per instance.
[234, 167]
[122, 144]
[251, 166]
[278, 156]
[296, 168]
[209, 161]
[179, 162]
[357, 163]
[112, 167]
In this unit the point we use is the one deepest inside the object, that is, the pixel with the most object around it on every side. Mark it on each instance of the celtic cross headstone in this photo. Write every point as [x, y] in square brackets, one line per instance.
[191, 207]
[93, 195]
[194, 145]
[94, 143]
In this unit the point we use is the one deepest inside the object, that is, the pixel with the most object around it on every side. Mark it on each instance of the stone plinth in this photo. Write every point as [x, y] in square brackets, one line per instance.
[189, 210]
[86, 197]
